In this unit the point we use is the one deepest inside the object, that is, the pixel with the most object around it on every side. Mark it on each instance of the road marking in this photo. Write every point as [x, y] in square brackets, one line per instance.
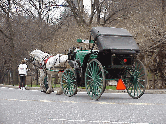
[103, 103]
[77, 120]
[3, 87]
[12, 99]
[82, 92]
[70, 102]
[45, 101]
[57, 119]
[34, 90]
[119, 93]
[96, 121]
[23, 100]
[11, 88]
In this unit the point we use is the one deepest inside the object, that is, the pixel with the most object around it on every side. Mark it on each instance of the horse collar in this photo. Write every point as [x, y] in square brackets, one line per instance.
[46, 59]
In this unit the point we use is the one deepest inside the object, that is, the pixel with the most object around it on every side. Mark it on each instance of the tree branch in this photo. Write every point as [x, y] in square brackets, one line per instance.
[115, 12]
[3, 9]
[5, 34]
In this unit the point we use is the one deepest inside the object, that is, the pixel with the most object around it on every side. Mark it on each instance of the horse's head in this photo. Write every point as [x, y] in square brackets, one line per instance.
[34, 57]
[31, 59]
[37, 57]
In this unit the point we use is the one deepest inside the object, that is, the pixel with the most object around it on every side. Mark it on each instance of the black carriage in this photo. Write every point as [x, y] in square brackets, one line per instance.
[115, 58]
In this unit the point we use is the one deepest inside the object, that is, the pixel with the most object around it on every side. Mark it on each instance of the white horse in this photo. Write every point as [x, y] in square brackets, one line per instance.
[47, 64]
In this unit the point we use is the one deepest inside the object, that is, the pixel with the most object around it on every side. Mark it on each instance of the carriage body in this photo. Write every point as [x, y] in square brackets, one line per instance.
[115, 58]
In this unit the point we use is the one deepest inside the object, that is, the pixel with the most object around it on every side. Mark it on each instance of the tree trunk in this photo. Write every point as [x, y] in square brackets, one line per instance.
[98, 11]
[13, 56]
[153, 80]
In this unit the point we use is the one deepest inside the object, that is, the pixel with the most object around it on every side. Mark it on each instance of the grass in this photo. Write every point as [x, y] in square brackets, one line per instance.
[33, 85]
[107, 87]
[111, 87]
[82, 87]
[58, 85]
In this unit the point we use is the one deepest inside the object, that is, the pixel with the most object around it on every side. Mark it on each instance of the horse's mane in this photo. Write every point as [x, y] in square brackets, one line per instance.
[38, 54]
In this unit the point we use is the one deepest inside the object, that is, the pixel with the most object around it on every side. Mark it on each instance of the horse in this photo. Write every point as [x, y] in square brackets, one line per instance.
[48, 65]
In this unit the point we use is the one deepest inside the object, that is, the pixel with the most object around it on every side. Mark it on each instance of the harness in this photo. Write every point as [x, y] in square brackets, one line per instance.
[42, 65]
[46, 59]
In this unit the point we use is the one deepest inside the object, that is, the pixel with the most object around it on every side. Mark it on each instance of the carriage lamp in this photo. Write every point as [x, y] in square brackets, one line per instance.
[125, 60]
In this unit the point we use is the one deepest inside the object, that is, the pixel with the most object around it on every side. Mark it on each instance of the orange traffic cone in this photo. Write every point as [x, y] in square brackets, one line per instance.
[120, 85]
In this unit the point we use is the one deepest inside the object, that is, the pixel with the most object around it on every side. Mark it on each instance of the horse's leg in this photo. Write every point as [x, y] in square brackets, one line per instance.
[59, 91]
[41, 80]
[49, 90]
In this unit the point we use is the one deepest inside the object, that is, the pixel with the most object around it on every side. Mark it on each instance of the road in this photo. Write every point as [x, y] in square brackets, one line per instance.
[33, 106]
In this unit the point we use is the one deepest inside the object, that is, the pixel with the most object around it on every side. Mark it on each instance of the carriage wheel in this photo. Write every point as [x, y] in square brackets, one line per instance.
[68, 82]
[136, 80]
[94, 79]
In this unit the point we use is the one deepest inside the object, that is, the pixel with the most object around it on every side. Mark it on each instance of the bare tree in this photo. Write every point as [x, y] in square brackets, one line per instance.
[23, 30]
[9, 34]
[108, 8]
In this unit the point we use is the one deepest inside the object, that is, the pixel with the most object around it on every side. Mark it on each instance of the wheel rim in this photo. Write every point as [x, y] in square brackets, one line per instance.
[68, 82]
[94, 79]
[136, 80]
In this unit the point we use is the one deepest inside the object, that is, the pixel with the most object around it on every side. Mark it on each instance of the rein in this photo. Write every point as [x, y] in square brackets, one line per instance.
[46, 59]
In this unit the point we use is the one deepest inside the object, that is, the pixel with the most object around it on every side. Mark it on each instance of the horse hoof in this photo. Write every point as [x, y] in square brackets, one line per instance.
[48, 92]
[43, 91]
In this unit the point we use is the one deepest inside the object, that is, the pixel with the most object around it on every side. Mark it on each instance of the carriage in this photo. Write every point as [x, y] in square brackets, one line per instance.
[115, 59]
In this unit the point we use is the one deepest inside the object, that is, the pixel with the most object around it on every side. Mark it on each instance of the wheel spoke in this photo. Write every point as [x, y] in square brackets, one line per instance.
[129, 86]
[65, 77]
[99, 73]
[89, 71]
[141, 75]
[65, 86]
[141, 70]
[132, 89]
[139, 88]
[129, 73]
[97, 69]
[72, 79]
[88, 76]
[91, 68]
[139, 67]
[141, 84]
[141, 80]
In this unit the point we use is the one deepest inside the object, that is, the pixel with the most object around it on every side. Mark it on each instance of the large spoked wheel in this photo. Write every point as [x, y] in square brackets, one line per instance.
[94, 79]
[136, 80]
[68, 82]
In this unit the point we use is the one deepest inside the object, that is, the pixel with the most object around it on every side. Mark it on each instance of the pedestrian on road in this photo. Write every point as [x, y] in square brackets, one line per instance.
[23, 68]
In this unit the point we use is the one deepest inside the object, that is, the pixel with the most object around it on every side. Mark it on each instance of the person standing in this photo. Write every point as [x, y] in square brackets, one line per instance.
[23, 68]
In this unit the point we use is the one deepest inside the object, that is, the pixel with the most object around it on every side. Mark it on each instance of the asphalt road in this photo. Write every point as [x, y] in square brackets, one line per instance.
[33, 106]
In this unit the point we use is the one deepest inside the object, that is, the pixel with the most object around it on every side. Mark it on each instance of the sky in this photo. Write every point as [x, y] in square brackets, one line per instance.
[55, 13]
[87, 5]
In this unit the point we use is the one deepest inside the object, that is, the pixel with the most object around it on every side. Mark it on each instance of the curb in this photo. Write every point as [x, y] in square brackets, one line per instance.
[156, 91]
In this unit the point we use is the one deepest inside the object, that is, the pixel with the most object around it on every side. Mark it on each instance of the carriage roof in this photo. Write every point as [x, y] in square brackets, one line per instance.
[113, 38]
